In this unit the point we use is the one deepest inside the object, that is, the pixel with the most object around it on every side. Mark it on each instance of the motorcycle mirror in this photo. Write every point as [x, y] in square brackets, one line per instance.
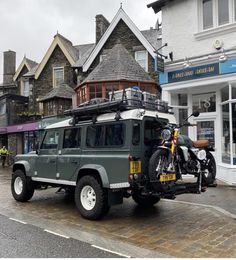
[196, 114]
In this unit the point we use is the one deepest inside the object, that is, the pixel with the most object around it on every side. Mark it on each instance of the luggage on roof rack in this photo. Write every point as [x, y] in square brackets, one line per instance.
[118, 102]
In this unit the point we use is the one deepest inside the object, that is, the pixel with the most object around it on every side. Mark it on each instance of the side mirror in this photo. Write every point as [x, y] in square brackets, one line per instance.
[196, 114]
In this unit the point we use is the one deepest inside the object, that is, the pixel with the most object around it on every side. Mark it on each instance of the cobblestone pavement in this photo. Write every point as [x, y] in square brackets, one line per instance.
[171, 228]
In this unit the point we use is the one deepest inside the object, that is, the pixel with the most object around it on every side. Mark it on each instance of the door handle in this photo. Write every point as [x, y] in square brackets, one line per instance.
[74, 162]
[52, 161]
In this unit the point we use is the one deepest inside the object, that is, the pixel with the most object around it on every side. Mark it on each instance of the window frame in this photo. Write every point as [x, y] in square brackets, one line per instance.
[146, 59]
[64, 132]
[54, 78]
[215, 11]
[104, 137]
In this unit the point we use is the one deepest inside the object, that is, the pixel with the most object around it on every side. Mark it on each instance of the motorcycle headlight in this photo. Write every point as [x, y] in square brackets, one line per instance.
[166, 134]
[201, 155]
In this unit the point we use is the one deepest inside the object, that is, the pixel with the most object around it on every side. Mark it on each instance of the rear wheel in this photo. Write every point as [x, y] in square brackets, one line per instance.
[144, 201]
[90, 198]
[209, 175]
[22, 187]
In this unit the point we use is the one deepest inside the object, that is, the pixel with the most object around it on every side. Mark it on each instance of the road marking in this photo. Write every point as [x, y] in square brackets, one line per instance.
[54, 233]
[19, 221]
[110, 251]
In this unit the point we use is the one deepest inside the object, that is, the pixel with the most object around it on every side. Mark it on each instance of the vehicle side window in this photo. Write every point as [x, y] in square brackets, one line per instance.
[50, 140]
[105, 135]
[72, 138]
[136, 134]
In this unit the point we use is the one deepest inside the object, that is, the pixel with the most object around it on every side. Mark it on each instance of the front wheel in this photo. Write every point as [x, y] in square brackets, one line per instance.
[22, 187]
[90, 198]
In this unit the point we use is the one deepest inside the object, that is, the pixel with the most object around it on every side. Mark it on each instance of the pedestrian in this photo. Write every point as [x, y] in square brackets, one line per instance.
[3, 153]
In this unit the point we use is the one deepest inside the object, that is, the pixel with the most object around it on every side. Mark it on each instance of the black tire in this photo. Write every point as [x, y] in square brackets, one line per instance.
[144, 201]
[22, 187]
[209, 175]
[159, 157]
[96, 206]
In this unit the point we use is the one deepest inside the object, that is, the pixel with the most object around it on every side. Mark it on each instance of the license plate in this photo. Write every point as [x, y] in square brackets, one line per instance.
[135, 167]
[168, 177]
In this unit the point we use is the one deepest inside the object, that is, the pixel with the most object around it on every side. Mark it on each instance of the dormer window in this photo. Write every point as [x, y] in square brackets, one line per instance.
[142, 58]
[58, 76]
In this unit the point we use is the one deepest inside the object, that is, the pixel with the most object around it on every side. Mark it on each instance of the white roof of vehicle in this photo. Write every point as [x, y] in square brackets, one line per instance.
[129, 114]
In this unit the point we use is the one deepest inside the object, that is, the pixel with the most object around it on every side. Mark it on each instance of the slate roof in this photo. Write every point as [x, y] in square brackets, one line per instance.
[152, 36]
[74, 53]
[31, 72]
[119, 65]
[63, 91]
[84, 52]
[31, 63]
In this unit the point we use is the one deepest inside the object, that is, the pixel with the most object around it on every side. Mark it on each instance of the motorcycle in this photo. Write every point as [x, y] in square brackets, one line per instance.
[178, 155]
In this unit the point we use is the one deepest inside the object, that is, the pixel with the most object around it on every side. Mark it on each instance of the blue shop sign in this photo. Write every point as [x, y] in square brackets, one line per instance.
[194, 73]
[228, 66]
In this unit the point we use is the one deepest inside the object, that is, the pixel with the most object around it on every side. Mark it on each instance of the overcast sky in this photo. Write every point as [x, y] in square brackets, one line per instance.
[28, 26]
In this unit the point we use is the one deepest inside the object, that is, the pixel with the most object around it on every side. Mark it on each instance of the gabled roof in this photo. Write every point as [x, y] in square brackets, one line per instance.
[120, 15]
[31, 73]
[25, 62]
[71, 53]
[63, 91]
[119, 65]
[152, 36]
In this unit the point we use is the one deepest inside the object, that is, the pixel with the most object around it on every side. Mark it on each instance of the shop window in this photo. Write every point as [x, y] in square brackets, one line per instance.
[2, 109]
[225, 93]
[204, 103]
[206, 131]
[182, 99]
[142, 58]
[58, 76]
[95, 91]
[233, 91]
[226, 134]
[234, 132]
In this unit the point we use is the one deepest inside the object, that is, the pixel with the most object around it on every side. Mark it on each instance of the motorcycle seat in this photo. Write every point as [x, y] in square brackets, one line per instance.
[201, 143]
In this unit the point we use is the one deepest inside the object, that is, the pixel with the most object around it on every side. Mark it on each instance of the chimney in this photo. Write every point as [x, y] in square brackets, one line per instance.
[101, 26]
[9, 66]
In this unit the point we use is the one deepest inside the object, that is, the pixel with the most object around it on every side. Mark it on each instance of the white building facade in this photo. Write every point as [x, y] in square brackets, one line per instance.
[202, 76]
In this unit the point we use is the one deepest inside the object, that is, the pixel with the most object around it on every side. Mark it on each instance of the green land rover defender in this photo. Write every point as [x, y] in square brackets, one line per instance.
[101, 155]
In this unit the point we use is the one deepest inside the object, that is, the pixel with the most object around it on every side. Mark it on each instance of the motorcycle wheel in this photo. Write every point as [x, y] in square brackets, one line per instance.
[209, 175]
[158, 163]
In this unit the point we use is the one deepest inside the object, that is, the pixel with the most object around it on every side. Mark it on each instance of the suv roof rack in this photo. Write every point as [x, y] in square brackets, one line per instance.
[97, 106]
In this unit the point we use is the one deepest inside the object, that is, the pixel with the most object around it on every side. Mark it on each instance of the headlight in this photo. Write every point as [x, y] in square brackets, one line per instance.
[201, 155]
[166, 134]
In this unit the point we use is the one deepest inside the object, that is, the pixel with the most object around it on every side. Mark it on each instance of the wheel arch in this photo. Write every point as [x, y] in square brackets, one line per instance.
[95, 170]
[21, 165]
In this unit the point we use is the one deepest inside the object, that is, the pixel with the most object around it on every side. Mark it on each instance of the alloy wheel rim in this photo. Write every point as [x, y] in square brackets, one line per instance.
[18, 185]
[88, 197]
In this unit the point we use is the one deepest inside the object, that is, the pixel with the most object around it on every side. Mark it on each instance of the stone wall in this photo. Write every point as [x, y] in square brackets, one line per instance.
[44, 83]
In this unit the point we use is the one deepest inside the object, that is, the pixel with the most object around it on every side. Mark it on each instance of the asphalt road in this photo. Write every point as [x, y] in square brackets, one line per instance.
[22, 240]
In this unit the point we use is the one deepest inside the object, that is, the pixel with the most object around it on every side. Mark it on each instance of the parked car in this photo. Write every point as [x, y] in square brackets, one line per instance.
[102, 155]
